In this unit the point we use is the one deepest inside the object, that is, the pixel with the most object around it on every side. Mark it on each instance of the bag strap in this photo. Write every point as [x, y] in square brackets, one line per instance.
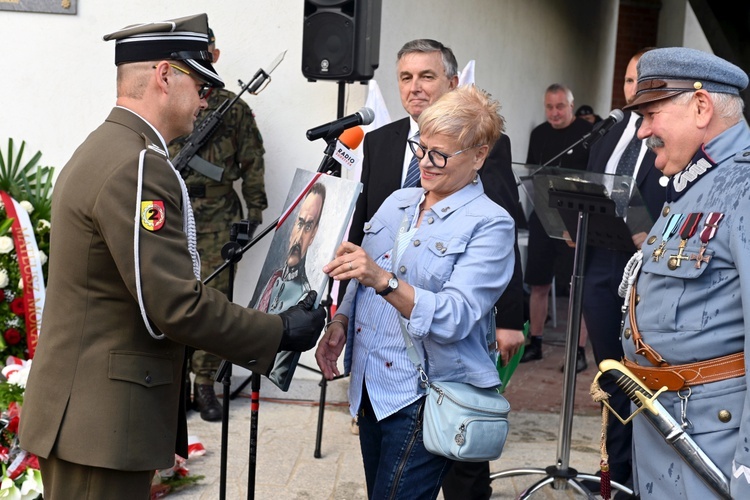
[411, 351]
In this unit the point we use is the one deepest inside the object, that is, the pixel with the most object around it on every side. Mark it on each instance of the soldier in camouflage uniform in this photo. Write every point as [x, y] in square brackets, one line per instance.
[236, 147]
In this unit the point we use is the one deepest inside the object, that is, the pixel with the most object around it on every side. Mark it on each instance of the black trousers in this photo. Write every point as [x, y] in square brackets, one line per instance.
[602, 310]
[467, 481]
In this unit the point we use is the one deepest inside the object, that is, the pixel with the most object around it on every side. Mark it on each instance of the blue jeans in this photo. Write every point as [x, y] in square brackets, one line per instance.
[397, 465]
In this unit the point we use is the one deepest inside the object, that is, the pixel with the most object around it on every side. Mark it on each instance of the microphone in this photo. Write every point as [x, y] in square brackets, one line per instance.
[601, 128]
[330, 130]
[343, 154]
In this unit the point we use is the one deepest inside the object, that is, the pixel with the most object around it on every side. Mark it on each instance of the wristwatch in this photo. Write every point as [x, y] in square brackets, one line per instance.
[392, 285]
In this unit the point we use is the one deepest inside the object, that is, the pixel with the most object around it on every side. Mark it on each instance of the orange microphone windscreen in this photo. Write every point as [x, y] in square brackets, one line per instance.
[352, 137]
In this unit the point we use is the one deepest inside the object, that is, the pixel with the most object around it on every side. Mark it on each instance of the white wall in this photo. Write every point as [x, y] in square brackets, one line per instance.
[59, 76]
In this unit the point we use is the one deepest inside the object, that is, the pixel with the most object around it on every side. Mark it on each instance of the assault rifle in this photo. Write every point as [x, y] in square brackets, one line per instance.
[188, 155]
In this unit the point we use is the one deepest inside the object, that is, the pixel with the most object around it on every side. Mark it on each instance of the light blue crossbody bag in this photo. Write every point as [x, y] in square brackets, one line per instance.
[461, 422]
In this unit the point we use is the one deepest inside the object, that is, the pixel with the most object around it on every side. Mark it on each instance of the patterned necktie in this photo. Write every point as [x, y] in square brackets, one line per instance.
[412, 173]
[626, 165]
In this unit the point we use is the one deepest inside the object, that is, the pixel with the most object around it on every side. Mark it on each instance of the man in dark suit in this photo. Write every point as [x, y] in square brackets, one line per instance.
[426, 70]
[602, 306]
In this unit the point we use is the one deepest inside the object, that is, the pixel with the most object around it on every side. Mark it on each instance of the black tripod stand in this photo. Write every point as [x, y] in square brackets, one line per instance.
[561, 474]
[233, 254]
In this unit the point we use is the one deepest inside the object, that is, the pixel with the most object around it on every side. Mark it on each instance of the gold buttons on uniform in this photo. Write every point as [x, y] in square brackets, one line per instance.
[725, 416]
[637, 298]
[665, 211]
[402, 269]
[417, 243]
[627, 332]
[430, 220]
[651, 240]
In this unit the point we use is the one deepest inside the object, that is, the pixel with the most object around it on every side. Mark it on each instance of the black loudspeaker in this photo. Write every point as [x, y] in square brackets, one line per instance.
[341, 39]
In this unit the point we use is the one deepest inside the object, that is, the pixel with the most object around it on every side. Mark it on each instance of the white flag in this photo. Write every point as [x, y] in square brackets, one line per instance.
[376, 103]
[467, 75]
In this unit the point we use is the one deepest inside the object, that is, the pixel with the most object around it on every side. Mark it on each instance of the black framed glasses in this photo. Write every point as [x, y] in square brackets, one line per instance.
[205, 88]
[436, 157]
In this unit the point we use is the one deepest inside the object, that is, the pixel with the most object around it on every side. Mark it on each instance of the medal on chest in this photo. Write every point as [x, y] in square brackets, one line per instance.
[708, 232]
[670, 229]
[686, 232]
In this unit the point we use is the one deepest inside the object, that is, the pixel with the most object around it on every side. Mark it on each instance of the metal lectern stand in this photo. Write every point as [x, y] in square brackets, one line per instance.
[596, 208]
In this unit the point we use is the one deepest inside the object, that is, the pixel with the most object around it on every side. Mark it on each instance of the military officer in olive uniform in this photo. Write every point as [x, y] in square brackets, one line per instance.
[237, 147]
[102, 408]
[689, 312]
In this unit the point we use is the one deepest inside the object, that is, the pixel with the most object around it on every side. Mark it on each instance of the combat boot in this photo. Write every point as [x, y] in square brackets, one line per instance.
[204, 400]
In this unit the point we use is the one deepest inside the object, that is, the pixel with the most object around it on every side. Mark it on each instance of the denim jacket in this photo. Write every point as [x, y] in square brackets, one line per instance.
[459, 262]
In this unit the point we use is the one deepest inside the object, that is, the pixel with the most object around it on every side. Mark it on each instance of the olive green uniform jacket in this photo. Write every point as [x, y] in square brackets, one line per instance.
[102, 391]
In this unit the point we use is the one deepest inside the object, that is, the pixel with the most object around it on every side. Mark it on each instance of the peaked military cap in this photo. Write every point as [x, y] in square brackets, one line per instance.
[184, 39]
[666, 72]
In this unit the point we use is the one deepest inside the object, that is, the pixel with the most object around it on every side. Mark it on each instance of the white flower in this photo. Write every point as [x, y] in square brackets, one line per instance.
[42, 257]
[9, 490]
[27, 206]
[17, 374]
[6, 244]
[32, 485]
[3, 278]
[42, 224]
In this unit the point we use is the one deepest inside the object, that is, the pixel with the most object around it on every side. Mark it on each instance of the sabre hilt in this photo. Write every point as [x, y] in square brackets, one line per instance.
[664, 423]
[638, 393]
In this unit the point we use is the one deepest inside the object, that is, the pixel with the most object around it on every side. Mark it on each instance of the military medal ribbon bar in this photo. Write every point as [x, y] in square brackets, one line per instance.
[708, 232]
[673, 223]
[687, 231]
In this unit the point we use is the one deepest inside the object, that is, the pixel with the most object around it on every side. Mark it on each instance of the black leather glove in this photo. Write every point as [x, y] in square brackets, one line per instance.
[302, 325]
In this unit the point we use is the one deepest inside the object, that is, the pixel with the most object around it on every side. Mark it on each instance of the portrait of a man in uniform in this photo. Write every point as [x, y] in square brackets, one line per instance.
[289, 284]
[314, 221]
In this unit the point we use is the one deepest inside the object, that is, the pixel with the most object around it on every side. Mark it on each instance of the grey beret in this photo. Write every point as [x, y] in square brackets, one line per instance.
[666, 72]
[184, 39]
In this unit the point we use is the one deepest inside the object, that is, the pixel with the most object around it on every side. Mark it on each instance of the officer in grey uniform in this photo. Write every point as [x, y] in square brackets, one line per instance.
[237, 147]
[689, 304]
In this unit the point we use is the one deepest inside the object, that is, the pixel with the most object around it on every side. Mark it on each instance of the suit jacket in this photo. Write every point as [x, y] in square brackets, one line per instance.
[382, 171]
[102, 391]
[647, 177]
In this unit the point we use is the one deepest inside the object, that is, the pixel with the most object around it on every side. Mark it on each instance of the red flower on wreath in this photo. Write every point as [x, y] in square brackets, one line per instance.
[18, 307]
[12, 336]
[14, 415]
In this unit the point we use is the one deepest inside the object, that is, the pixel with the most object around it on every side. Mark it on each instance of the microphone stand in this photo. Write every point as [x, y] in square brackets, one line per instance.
[233, 254]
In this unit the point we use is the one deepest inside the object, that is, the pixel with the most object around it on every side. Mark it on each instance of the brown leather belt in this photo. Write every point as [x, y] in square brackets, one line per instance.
[676, 377]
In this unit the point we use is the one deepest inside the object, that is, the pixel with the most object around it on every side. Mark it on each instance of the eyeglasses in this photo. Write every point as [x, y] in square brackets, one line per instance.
[205, 88]
[436, 157]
